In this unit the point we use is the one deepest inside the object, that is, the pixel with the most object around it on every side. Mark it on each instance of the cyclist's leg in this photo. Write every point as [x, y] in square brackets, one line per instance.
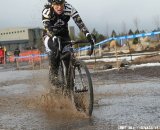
[51, 44]
[52, 50]
[53, 63]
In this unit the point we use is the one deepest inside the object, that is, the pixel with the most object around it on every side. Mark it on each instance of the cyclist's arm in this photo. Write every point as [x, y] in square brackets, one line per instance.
[77, 19]
[46, 15]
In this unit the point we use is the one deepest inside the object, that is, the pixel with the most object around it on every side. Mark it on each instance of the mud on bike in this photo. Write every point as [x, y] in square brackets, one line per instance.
[74, 80]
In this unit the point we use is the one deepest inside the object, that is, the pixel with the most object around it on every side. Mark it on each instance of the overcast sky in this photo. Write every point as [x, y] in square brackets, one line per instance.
[104, 15]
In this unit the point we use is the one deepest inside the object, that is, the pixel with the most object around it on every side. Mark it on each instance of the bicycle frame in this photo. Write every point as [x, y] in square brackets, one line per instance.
[71, 56]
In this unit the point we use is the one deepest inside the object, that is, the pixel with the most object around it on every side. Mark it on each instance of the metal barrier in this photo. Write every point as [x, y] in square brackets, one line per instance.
[32, 60]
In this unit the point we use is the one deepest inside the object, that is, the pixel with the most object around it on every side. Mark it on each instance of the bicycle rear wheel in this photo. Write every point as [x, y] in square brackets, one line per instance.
[82, 90]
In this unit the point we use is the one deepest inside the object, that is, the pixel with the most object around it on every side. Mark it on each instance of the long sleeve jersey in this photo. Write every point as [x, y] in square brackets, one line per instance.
[59, 23]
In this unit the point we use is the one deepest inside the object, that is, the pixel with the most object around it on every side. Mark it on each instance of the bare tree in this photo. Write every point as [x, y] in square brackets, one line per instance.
[136, 22]
[156, 21]
[107, 30]
[124, 31]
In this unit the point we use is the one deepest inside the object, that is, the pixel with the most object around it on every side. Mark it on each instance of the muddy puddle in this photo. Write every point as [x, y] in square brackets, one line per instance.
[27, 103]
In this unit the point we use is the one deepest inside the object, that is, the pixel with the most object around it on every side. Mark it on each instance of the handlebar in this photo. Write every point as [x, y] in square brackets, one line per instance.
[81, 41]
[73, 42]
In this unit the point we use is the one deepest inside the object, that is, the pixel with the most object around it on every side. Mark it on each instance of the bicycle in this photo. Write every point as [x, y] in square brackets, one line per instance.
[75, 81]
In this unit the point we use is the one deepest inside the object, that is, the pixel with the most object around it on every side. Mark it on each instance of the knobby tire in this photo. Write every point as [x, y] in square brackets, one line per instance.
[82, 96]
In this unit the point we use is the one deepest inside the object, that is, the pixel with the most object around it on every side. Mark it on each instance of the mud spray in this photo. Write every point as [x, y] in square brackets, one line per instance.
[55, 105]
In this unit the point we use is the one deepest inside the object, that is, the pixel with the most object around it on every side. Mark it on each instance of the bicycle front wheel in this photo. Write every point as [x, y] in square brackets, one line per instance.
[82, 88]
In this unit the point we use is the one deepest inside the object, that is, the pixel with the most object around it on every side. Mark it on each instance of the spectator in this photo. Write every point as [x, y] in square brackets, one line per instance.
[16, 53]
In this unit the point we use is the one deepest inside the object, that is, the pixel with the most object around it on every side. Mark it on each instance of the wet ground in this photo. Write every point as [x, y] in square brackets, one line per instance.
[128, 97]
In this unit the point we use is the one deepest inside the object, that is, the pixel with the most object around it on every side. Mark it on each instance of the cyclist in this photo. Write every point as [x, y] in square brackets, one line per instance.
[55, 17]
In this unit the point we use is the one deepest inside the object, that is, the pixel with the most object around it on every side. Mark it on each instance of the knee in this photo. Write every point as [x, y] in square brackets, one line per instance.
[51, 44]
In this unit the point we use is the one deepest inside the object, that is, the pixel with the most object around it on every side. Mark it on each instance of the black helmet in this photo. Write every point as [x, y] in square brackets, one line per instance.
[56, 1]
